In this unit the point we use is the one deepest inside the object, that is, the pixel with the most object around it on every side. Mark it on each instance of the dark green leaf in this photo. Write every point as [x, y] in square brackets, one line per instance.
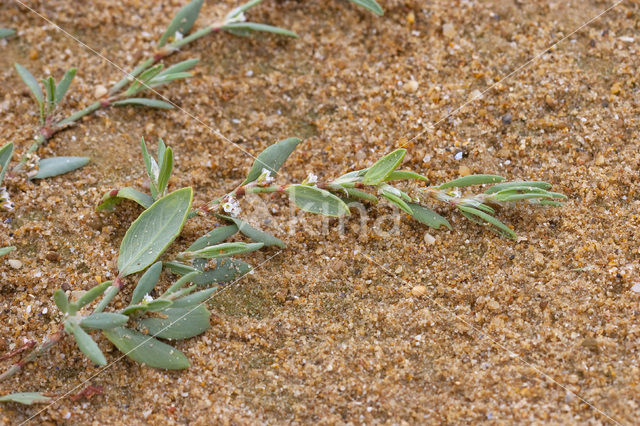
[176, 324]
[147, 350]
[404, 175]
[152, 232]
[31, 83]
[5, 157]
[152, 103]
[428, 217]
[213, 237]
[389, 195]
[255, 234]
[26, 398]
[383, 167]
[370, 5]
[146, 283]
[182, 22]
[104, 321]
[500, 227]
[472, 180]
[272, 158]
[245, 28]
[64, 84]
[88, 346]
[50, 89]
[355, 193]
[114, 197]
[55, 166]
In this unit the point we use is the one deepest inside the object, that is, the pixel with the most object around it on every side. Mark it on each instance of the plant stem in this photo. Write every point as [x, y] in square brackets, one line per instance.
[109, 295]
[41, 349]
[79, 114]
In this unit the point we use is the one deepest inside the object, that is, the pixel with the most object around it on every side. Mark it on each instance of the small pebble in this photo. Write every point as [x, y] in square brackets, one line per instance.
[15, 263]
[100, 91]
[636, 287]
[616, 88]
[448, 30]
[429, 239]
[464, 171]
[458, 155]
[600, 160]
[398, 270]
[33, 54]
[507, 118]
[410, 86]
[418, 290]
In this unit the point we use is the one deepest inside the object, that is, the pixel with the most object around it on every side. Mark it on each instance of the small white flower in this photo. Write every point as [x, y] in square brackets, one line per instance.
[5, 201]
[312, 178]
[147, 299]
[266, 176]
[178, 36]
[232, 206]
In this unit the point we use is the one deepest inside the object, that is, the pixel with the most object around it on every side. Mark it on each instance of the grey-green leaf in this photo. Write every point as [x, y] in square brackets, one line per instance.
[55, 166]
[152, 232]
[146, 283]
[179, 268]
[182, 22]
[104, 321]
[241, 9]
[64, 84]
[255, 234]
[213, 237]
[404, 175]
[152, 103]
[166, 167]
[26, 398]
[6, 32]
[147, 350]
[179, 67]
[222, 250]
[245, 28]
[315, 200]
[62, 302]
[6, 250]
[194, 299]
[31, 83]
[522, 183]
[226, 270]
[370, 5]
[88, 346]
[5, 157]
[114, 197]
[472, 180]
[383, 167]
[180, 323]
[92, 294]
[428, 217]
[500, 227]
[393, 198]
[272, 158]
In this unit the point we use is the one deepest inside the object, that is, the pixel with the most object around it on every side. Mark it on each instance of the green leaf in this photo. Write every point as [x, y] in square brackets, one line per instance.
[88, 346]
[55, 166]
[50, 89]
[370, 5]
[505, 196]
[383, 167]
[389, 195]
[64, 84]
[166, 167]
[146, 283]
[241, 9]
[141, 83]
[404, 175]
[221, 250]
[179, 268]
[315, 200]
[180, 323]
[114, 197]
[62, 302]
[428, 217]
[147, 350]
[182, 22]
[5, 157]
[225, 270]
[181, 283]
[245, 28]
[6, 32]
[179, 67]
[158, 305]
[159, 80]
[6, 250]
[193, 299]
[255, 234]
[153, 170]
[272, 158]
[152, 103]
[92, 294]
[350, 178]
[152, 232]
[355, 193]
[500, 227]
[104, 321]
[213, 237]
[522, 183]
[471, 180]
[26, 398]
[31, 83]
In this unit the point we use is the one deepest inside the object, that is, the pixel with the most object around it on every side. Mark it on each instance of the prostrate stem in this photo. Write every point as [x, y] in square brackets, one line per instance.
[39, 350]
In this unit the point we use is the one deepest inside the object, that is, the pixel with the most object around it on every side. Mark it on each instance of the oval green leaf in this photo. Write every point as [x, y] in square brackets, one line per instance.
[114, 197]
[5, 157]
[245, 28]
[498, 226]
[428, 217]
[152, 103]
[193, 299]
[152, 232]
[272, 158]
[146, 283]
[6, 250]
[31, 83]
[146, 350]
[370, 5]
[404, 175]
[88, 346]
[177, 324]
[522, 183]
[472, 180]
[92, 294]
[315, 200]
[182, 22]
[383, 167]
[26, 398]
[55, 166]
[222, 250]
[104, 321]
[255, 234]
[213, 237]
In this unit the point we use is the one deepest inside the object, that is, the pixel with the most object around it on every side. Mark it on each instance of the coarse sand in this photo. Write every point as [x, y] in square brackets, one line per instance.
[379, 323]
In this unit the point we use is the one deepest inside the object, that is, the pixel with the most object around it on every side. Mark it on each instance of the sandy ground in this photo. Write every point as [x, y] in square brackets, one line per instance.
[543, 329]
